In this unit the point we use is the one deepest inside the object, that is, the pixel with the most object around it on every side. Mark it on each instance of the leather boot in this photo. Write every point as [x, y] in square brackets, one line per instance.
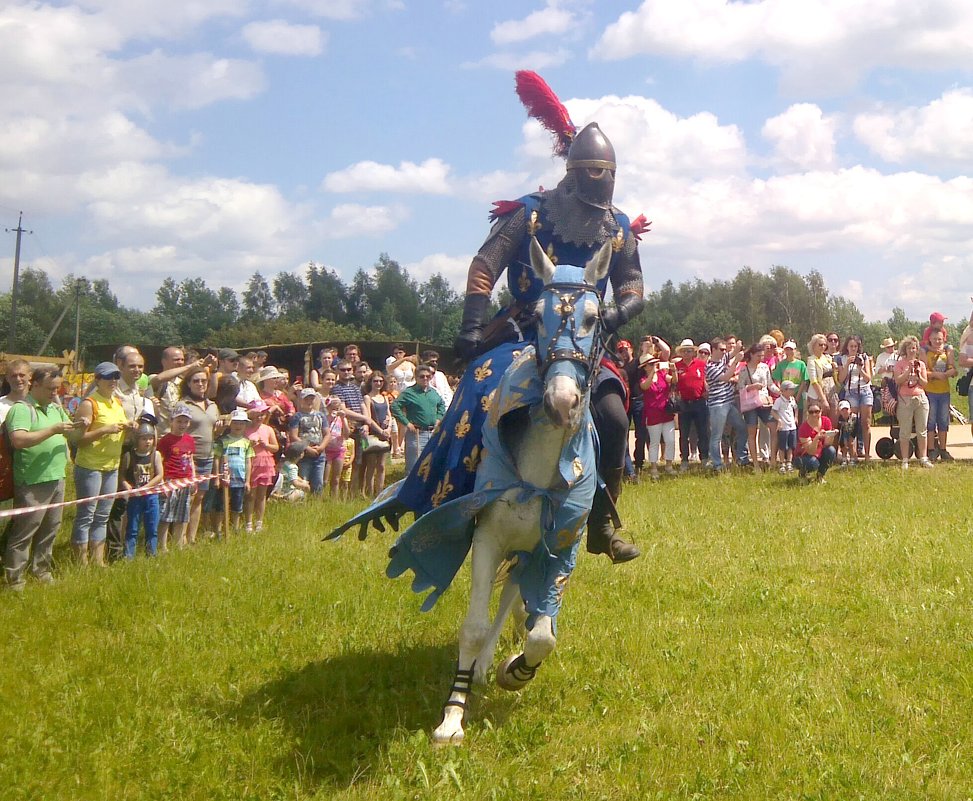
[80, 553]
[601, 530]
[98, 554]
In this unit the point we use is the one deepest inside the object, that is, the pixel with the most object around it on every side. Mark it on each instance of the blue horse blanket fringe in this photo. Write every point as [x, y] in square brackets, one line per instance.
[436, 545]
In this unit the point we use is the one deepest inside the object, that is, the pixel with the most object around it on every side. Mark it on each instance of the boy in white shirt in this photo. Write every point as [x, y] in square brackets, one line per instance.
[784, 411]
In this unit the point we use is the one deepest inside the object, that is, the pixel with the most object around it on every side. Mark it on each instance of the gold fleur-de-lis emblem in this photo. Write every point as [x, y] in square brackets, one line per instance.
[550, 253]
[425, 467]
[578, 468]
[472, 461]
[534, 223]
[565, 539]
[560, 585]
[443, 490]
[484, 371]
[618, 242]
[524, 281]
[463, 426]
[487, 401]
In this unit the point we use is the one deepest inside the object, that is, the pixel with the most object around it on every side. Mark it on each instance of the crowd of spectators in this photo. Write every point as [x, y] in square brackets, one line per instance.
[215, 429]
[773, 405]
[228, 428]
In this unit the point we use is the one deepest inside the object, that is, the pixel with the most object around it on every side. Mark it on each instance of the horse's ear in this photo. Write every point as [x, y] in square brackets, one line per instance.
[542, 265]
[597, 268]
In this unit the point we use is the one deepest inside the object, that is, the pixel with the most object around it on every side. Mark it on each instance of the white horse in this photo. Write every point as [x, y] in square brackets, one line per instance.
[568, 322]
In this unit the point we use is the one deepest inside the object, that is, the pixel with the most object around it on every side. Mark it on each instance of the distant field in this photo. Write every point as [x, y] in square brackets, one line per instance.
[774, 641]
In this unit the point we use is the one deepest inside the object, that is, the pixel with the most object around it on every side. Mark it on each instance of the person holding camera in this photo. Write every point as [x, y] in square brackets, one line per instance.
[658, 379]
[913, 410]
[940, 361]
[815, 443]
[855, 378]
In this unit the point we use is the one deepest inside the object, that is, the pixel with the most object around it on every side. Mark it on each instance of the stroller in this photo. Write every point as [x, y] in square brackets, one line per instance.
[887, 401]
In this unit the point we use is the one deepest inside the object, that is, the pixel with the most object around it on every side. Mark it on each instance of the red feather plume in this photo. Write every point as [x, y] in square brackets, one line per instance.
[543, 105]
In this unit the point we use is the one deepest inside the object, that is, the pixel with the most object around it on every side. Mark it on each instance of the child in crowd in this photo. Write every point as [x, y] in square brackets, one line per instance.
[265, 447]
[292, 487]
[348, 466]
[233, 463]
[176, 449]
[141, 468]
[311, 428]
[848, 428]
[784, 411]
[335, 452]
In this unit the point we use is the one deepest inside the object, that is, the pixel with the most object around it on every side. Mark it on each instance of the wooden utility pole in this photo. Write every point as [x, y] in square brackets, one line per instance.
[12, 336]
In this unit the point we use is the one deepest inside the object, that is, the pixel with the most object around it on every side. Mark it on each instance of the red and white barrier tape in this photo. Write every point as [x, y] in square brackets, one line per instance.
[166, 486]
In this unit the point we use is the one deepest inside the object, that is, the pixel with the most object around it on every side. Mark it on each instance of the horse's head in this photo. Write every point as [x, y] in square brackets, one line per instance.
[568, 322]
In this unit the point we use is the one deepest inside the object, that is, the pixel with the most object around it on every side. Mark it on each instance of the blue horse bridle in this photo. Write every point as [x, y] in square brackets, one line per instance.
[569, 295]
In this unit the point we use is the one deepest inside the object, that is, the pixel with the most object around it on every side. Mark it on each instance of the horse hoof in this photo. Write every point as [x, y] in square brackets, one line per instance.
[513, 673]
[440, 739]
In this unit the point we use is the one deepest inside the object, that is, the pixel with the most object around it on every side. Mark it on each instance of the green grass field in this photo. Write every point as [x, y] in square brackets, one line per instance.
[774, 641]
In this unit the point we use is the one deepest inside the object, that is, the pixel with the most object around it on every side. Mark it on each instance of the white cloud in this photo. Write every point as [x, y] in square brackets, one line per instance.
[825, 44]
[150, 18]
[549, 21]
[452, 268]
[430, 177]
[280, 37]
[803, 137]
[939, 132]
[334, 9]
[535, 60]
[354, 220]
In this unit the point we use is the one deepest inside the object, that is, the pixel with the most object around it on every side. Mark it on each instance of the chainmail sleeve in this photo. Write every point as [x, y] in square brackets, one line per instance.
[497, 252]
[626, 282]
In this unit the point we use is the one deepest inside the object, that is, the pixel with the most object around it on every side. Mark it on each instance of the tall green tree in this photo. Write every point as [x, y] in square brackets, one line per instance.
[258, 302]
[290, 293]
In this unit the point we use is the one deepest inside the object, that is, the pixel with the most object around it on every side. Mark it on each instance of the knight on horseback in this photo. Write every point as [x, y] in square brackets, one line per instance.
[572, 222]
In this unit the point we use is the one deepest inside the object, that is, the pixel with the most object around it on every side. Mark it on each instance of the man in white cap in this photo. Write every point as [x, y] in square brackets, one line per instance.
[691, 382]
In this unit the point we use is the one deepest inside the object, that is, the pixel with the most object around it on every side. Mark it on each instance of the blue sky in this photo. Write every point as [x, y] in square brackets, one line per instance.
[144, 140]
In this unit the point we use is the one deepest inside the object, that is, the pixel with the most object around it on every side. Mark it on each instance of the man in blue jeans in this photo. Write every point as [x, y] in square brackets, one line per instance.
[721, 400]
[418, 409]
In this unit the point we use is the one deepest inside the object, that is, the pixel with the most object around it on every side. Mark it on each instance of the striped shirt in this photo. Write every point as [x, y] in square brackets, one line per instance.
[350, 395]
[720, 392]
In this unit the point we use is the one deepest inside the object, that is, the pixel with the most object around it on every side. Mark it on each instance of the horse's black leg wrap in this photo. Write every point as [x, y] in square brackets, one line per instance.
[463, 683]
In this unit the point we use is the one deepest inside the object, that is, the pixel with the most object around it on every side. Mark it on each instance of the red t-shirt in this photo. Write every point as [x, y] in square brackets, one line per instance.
[177, 455]
[806, 432]
[692, 379]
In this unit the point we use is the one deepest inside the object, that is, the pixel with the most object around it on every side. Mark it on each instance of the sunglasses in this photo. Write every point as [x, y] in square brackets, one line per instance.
[814, 411]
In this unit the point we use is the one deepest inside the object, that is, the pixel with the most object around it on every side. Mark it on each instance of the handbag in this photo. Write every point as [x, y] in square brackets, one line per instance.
[372, 443]
[963, 384]
[753, 398]
[674, 403]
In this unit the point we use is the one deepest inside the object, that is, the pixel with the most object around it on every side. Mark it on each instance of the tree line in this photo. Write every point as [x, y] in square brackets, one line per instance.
[385, 302]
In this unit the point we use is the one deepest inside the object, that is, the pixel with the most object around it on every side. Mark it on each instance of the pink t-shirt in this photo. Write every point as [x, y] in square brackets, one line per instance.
[654, 400]
[911, 388]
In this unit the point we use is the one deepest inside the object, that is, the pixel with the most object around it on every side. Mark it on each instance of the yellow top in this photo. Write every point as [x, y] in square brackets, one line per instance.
[105, 453]
[933, 359]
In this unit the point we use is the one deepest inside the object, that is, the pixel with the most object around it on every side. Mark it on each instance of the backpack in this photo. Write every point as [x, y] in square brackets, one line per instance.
[7, 455]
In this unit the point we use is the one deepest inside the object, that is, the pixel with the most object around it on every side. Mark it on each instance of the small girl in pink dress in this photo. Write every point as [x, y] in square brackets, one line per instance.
[264, 468]
[334, 451]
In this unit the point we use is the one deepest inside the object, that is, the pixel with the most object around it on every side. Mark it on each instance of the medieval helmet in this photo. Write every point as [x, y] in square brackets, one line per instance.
[592, 157]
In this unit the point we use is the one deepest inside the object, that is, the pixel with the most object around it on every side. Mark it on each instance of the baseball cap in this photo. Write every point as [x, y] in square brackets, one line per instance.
[239, 415]
[790, 344]
[257, 406]
[788, 385]
[937, 317]
[704, 347]
[844, 405]
[308, 392]
[107, 370]
[623, 343]
[180, 410]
